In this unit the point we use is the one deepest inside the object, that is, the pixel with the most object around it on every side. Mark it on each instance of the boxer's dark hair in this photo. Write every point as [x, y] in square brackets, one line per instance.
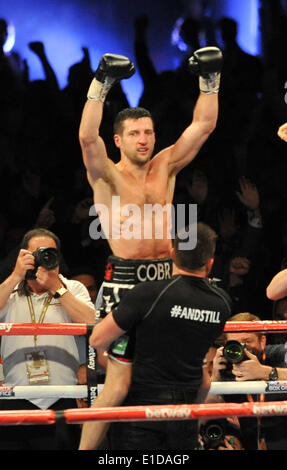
[129, 113]
[195, 259]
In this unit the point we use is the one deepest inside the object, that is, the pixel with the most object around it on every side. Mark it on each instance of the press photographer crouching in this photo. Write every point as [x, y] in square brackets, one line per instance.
[246, 356]
[220, 434]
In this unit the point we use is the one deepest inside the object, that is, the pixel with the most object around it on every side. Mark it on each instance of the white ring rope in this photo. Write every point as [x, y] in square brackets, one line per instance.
[45, 391]
[81, 391]
[250, 386]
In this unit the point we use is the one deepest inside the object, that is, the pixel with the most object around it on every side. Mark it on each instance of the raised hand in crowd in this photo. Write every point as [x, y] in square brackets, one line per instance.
[282, 132]
[248, 194]
[81, 212]
[227, 223]
[198, 189]
[239, 265]
[46, 217]
[38, 48]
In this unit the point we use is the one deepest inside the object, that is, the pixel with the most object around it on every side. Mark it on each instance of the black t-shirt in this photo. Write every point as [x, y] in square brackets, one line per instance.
[176, 322]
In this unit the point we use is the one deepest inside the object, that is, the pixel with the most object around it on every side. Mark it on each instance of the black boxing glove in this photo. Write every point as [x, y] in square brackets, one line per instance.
[112, 68]
[207, 63]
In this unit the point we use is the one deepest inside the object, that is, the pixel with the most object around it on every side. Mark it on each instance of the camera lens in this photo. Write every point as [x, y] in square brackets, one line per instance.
[233, 351]
[47, 257]
[214, 432]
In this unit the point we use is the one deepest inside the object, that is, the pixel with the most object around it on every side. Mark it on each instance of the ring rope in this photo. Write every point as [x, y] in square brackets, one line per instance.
[139, 413]
[78, 329]
[10, 329]
[81, 391]
[43, 391]
[176, 412]
[146, 413]
[248, 387]
[274, 326]
[27, 417]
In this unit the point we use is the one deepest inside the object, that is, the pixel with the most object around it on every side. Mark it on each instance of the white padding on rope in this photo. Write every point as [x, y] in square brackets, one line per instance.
[249, 386]
[45, 391]
[81, 391]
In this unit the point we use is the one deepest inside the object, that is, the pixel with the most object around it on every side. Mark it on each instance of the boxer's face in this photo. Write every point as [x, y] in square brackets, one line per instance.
[137, 140]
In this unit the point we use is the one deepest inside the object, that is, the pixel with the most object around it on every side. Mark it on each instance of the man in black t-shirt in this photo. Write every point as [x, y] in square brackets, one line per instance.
[175, 322]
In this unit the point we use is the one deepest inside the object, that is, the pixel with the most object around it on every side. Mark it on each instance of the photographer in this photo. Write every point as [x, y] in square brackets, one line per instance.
[36, 292]
[255, 360]
[220, 434]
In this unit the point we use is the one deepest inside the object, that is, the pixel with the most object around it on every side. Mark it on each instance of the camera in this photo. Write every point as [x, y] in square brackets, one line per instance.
[213, 433]
[233, 351]
[47, 257]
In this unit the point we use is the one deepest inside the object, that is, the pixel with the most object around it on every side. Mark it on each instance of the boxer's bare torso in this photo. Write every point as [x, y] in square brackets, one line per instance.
[127, 190]
[139, 208]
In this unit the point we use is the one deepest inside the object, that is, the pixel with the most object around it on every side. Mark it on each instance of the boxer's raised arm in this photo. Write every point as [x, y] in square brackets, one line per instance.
[206, 63]
[111, 69]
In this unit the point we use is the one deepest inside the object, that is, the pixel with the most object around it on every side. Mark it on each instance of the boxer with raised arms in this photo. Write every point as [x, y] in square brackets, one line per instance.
[138, 179]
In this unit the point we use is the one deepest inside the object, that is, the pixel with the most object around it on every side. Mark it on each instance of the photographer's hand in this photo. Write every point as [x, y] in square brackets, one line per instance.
[77, 309]
[251, 369]
[48, 279]
[227, 445]
[24, 262]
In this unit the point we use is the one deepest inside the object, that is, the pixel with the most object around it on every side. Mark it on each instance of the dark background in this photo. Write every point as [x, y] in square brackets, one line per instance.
[107, 26]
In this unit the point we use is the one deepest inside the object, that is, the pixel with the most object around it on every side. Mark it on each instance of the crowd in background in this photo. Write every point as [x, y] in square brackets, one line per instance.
[238, 179]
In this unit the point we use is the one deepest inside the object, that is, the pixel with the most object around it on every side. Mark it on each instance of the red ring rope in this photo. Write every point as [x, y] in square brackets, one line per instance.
[273, 326]
[176, 412]
[147, 413]
[79, 329]
[27, 417]
[10, 329]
